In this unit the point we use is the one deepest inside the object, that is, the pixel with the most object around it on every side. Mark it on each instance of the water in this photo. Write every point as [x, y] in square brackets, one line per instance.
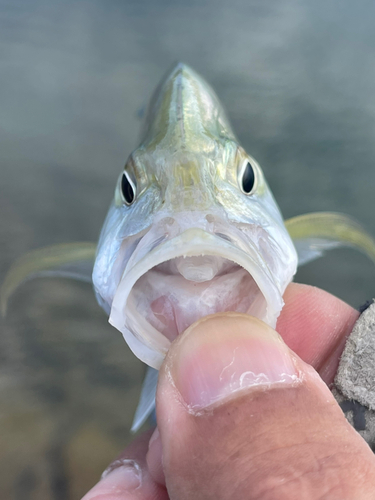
[298, 81]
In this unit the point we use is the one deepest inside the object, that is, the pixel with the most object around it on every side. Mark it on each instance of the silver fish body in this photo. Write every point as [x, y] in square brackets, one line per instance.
[192, 242]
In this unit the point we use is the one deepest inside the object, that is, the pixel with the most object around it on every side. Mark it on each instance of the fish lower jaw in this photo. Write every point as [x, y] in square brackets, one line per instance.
[151, 308]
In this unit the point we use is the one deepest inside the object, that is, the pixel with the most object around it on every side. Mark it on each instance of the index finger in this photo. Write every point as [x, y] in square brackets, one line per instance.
[315, 325]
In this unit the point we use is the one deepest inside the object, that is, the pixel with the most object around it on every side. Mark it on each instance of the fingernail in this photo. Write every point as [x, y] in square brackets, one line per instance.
[121, 477]
[223, 355]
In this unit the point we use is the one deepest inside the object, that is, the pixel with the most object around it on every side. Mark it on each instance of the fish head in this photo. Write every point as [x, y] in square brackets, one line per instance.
[193, 229]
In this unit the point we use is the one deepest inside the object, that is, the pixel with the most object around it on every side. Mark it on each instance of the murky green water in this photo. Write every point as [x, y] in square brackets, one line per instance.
[298, 81]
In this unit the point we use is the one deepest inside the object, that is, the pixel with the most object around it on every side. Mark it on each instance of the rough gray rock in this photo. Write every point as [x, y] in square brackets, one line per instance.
[360, 417]
[355, 377]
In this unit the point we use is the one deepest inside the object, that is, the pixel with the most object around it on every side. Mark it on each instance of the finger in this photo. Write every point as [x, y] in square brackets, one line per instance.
[240, 416]
[128, 477]
[325, 322]
[315, 325]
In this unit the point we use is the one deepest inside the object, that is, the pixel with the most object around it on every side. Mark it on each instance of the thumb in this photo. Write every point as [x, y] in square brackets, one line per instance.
[241, 416]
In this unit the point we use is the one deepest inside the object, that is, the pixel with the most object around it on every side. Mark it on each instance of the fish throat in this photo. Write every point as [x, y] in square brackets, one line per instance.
[173, 295]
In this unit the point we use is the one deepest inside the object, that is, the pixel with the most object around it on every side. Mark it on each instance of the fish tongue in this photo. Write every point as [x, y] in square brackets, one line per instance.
[198, 269]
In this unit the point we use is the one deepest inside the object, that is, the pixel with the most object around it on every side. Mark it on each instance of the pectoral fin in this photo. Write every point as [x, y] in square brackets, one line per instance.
[315, 233]
[147, 399]
[70, 260]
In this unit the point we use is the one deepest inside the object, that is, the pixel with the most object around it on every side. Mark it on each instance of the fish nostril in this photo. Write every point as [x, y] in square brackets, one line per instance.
[210, 218]
[168, 221]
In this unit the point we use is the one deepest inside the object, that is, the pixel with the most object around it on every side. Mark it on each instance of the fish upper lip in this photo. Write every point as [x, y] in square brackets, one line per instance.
[191, 242]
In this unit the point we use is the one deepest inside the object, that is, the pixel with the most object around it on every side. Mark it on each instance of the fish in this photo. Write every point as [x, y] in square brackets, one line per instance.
[193, 229]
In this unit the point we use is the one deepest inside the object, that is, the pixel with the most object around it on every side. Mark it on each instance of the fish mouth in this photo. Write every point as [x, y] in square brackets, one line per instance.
[175, 294]
[183, 279]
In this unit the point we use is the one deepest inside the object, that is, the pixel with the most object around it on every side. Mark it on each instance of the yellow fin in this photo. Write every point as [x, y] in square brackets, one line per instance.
[314, 233]
[74, 260]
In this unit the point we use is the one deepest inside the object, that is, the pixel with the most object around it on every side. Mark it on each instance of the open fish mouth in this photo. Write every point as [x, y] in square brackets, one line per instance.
[173, 295]
[173, 280]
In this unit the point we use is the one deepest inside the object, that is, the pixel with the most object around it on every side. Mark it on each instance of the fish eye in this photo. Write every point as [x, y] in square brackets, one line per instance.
[247, 178]
[128, 190]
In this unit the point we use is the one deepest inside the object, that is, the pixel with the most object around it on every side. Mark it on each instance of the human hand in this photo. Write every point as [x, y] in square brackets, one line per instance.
[225, 433]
